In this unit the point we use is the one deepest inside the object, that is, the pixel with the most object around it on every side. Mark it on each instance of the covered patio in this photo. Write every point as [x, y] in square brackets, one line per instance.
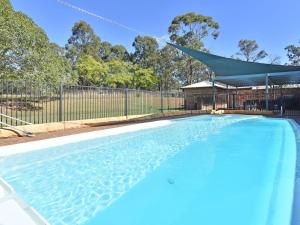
[237, 73]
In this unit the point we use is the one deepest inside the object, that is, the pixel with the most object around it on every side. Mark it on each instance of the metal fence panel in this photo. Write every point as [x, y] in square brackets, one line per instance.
[38, 102]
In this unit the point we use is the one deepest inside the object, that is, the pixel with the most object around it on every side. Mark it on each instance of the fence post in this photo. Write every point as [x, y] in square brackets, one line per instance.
[60, 101]
[214, 95]
[126, 102]
[161, 101]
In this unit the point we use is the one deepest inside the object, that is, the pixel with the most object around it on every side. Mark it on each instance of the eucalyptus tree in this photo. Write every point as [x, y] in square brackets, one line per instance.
[91, 70]
[105, 50]
[167, 68]
[293, 53]
[145, 51]
[108, 52]
[190, 30]
[274, 59]
[119, 52]
[249, 51]
[83, 41]
[25, 50]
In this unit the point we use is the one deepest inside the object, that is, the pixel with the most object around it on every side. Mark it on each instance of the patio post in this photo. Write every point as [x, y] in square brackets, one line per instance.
[281, 101]
[236, 96]
[227, 96]
[214, 95]
[267, 92]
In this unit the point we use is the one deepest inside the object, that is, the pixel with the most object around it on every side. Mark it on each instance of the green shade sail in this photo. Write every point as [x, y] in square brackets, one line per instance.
[241, 73]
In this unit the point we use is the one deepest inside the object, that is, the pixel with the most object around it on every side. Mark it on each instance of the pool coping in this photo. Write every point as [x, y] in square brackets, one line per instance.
[295, 219]
[9, 150]
[20, 208]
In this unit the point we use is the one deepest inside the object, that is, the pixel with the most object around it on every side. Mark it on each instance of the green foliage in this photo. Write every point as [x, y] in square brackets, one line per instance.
[146, 51]
[143, 78]
[293, 53]
[249, 50]
[119, 75]
[167, 68]
[105, 51]
[25, 51]
[91, 70]
[189, 30]
[119, 52]
[83, 41]
[5, 6]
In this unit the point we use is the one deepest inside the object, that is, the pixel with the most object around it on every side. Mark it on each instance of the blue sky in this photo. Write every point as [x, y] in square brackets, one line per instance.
[273, 23]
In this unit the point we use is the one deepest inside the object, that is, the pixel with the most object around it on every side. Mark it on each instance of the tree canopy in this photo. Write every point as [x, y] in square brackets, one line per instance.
[82, 41]
[145, 51]
[293, 53]
[27, 53]
[249, 51]
[189, 30]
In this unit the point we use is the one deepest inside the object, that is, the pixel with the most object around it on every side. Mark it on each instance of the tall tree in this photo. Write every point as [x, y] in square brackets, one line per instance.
[293, 53]
[119, 75]
[83, 41]
[274, 59]
[145, 51]
[143, 78]
[249, 51]
[91, 70]
[119, 52]
[189, 30]
[167, 68]
[25, 51]
[108, 52]
[105, 50]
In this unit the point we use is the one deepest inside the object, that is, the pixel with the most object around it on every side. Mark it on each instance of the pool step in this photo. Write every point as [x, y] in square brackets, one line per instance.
[13, 211]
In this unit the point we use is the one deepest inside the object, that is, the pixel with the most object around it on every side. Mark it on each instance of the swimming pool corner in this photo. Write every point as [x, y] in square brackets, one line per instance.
[13, 210]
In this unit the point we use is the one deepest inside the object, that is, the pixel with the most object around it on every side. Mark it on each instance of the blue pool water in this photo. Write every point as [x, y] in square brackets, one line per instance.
[210, 170]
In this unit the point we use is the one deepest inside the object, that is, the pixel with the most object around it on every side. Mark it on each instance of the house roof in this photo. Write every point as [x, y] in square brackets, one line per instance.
[207, 84]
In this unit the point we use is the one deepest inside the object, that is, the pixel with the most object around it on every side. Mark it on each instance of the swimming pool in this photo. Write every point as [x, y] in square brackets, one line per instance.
[211, 170]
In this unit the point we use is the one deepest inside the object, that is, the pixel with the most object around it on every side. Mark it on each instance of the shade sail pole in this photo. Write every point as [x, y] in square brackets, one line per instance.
[214, 94]
[267, 92]
[227, 96]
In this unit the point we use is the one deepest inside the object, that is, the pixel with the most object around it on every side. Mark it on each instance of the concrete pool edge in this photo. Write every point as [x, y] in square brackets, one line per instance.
[295, 220]
[14, 149]
[15, 210]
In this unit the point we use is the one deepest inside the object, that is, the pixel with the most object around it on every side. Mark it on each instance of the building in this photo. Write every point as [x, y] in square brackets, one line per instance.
[200, 96]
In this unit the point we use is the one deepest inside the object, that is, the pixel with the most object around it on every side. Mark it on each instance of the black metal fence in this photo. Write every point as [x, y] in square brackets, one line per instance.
[37, 102]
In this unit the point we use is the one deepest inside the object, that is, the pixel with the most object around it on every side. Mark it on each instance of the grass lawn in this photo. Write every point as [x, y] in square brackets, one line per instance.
[84, 105]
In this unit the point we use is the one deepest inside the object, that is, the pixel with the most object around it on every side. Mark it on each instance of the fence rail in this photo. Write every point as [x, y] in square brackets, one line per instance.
[37, 102]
